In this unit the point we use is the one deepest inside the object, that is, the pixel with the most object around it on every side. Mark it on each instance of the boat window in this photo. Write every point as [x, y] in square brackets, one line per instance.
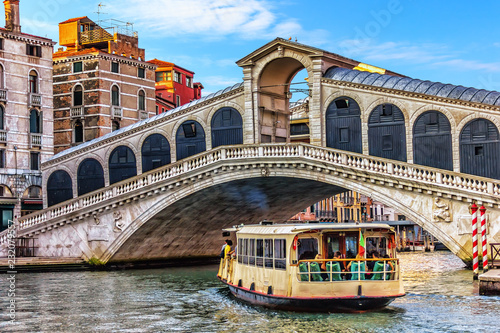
[280, 253]
[245, 251]
[378, 244]
[307, 248]
[240, 251]
[251, 252]
[269, 253]
[351, 246]
[333, 245]
[259, 260]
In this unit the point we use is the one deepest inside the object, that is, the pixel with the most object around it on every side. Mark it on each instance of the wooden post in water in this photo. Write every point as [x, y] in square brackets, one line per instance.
[475, 261]
[483, 239]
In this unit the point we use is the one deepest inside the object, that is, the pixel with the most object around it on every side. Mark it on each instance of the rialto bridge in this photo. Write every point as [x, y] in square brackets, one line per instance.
[164, 187]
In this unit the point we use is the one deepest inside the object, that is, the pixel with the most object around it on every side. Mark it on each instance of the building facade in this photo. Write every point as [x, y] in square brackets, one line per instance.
[26, 121]
[101, 81]
[174, 86]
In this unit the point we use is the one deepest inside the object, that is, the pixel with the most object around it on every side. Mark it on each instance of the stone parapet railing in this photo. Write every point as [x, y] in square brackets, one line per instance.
[370, 166]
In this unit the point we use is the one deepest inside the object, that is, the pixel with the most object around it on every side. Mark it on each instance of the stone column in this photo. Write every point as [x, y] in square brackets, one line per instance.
[251, 129]
[315, 107]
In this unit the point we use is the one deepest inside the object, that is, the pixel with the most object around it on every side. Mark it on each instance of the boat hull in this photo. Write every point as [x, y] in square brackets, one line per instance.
[316, 304]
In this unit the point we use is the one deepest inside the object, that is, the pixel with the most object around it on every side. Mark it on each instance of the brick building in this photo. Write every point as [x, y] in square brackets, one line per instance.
[25, 116]
[101, 81]
[174, 86]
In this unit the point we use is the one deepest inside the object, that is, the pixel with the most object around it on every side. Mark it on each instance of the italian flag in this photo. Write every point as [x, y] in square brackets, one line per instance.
[361, 250]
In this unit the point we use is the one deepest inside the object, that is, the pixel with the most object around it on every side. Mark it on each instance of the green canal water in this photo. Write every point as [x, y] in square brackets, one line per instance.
[441, 297]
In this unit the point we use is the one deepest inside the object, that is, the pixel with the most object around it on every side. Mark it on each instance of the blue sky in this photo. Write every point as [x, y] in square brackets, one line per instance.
[447, 41]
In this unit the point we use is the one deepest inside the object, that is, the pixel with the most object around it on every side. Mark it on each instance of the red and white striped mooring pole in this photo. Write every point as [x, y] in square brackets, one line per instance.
[483, 239]
[475, 263]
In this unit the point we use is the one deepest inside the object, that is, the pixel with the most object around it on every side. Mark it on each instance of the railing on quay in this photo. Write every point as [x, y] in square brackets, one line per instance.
[368, 164]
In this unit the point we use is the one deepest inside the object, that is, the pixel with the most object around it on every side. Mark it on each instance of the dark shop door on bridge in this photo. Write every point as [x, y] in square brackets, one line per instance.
[59, 187]
[121, 164]
[227, 128]
[343, 125]
[432, 141]
[90, 176]
[386, 133]
[480, 149]
[155, 152]
[190, 139]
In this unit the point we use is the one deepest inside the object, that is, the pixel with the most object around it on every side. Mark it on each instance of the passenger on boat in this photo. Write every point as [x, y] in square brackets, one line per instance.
[227, 249]
[338, 255]
[356, 266]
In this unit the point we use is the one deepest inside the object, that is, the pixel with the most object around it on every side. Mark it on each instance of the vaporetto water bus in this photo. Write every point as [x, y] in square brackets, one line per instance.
[319, 267]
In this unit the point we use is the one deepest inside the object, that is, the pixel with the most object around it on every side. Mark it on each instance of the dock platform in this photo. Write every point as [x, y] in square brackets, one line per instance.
[42, 264]
[489, 282]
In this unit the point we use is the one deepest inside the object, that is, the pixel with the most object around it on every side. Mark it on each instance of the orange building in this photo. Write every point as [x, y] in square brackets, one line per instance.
[101, 81]
[174, 86]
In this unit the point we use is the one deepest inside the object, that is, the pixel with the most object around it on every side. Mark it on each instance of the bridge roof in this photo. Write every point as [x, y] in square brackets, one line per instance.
[415, 85]
[146, 121]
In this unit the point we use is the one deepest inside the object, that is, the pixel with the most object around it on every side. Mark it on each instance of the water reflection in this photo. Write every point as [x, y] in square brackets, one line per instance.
[440, 298]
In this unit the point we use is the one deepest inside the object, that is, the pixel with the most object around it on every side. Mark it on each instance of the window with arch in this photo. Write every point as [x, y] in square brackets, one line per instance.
[2, 84]
[78, 133]
[142, 100]
[78, 96]
[155, 152]
[35, 123]
[33, 82]
[115, 96]
[190, 139]
[387, 132]
[2, 118]
[343, 125]
[121, 164]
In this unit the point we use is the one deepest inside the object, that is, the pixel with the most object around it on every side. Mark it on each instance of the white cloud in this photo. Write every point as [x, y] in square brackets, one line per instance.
[211, 19]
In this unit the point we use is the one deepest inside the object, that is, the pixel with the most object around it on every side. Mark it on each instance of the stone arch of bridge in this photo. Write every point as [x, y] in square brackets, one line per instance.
[185, 198]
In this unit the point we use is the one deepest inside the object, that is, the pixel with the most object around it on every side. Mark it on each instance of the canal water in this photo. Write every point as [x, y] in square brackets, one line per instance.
[441, 297]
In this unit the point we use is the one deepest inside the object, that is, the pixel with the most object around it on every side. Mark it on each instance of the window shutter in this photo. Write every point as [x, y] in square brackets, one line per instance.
[41, 121]
[28, 49]
[39, 51]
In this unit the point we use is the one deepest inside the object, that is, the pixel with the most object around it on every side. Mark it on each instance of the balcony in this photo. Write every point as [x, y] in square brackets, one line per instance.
[35, 140]
[143, 115]
[77, 111]
[3, 136]
[117, 112]
[3, 95]
[35, 99]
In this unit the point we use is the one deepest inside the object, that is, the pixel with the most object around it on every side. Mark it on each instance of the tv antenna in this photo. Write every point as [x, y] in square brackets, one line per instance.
[99, 12]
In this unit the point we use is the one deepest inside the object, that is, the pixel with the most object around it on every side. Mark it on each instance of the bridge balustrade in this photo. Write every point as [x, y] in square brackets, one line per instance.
[370, 165]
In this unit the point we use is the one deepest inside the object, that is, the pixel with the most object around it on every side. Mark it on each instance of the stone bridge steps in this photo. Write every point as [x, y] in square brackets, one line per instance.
[41, 264]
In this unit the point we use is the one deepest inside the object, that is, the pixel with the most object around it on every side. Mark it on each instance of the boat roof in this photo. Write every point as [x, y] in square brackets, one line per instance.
[296, 228]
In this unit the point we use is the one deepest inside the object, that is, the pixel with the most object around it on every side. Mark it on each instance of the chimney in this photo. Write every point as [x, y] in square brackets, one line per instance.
[12, 16]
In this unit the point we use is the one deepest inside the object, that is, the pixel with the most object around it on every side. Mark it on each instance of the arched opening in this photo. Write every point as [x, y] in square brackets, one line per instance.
[387, 133]
[480, 149]
[227, 127]
[141, 100]
[78, 132]
[115, 96]
[59, 187]
[190, 139]
[274, 99]
[432, 141]
[35, 121]
[33, 82]
[121, 164]
[155, 152]
[343, 125]
[78, 96]
[90, 176]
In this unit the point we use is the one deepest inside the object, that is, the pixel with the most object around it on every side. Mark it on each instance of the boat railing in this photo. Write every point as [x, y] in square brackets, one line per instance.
[335, 270]
[226, 268]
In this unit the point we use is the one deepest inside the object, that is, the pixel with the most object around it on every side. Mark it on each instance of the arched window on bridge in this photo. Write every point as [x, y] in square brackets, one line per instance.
[59, 187]
[121, 164]
[432, 141]
[190, 139]
[480, 149]
[343, 125]
[90, 176]
[387, 133]
[155, 152]
[227, 127]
